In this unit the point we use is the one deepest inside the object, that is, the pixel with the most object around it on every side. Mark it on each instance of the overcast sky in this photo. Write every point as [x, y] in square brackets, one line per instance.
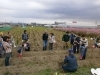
[49, 10]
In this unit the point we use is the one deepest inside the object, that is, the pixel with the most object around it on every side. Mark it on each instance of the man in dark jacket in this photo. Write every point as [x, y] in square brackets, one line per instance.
[65, 39]
[45, 40]
[72, 37]
[71, 62]
[77, 40]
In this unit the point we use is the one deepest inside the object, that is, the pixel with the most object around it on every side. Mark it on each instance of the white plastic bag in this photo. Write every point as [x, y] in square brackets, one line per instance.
[95, 71]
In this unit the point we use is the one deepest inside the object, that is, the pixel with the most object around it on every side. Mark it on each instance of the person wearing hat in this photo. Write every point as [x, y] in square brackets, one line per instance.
[70, 62]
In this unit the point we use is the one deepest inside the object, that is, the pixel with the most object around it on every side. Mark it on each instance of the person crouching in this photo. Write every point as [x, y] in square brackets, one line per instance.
[70, 62]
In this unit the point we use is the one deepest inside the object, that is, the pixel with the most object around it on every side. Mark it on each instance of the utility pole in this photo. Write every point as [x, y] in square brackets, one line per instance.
[95, 24]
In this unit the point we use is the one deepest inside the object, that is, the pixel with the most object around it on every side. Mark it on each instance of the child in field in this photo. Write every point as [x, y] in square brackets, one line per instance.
[26, 45]
[20, 49]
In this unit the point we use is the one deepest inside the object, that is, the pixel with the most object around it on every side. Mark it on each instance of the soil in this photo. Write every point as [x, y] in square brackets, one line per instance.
[37, 60]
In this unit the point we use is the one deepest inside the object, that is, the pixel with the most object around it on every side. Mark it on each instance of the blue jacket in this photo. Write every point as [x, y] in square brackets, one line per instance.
[71, 62]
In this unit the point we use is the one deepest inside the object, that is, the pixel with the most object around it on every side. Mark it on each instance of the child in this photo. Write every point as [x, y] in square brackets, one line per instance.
[20, 51]
[26, 46]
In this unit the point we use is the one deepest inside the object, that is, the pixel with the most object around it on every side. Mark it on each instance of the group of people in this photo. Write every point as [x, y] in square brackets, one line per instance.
[78, 44]
[7, 43]
[25, 45]
[48, 38]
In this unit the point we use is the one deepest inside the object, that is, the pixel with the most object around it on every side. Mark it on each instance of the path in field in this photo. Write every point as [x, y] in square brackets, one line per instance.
[37, 60]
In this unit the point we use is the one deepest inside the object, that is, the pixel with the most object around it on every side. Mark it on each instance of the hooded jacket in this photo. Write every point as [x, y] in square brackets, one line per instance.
[71, 62]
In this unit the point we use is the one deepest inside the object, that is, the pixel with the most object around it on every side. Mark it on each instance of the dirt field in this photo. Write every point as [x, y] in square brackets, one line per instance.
[38, 62]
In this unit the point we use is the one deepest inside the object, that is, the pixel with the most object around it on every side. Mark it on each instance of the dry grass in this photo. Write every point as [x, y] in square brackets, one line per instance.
[38, 62]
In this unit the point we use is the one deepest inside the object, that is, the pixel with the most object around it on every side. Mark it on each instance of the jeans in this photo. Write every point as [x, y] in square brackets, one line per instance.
[7, 61]
[50, 46]
[7, 56]
[65, 68]
[74, 48]
[78, 46]
[45, 43]
[83, 52]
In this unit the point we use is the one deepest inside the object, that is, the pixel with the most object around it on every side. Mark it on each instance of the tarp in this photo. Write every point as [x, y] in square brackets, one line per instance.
[4, 28]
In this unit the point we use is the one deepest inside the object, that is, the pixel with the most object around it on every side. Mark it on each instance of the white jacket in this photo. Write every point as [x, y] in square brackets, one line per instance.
[51, 39]
[85, 42]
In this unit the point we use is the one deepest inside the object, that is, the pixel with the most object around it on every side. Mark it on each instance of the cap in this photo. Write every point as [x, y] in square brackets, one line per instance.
[70, 51]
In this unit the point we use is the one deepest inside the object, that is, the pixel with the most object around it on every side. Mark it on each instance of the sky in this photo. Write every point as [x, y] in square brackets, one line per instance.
[49, 11]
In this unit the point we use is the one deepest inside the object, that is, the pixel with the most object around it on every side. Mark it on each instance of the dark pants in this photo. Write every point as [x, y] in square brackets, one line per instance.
[74, 48]
[50, 46]
[65, 68]
[7, 61]
[7, 56]
[71, 42]
[78, 46]
[45, 43]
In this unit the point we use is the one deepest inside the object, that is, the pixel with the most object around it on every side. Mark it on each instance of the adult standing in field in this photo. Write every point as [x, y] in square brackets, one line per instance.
[70, 62]
[25, 36]
[51, 41]
[65, 40]
[72, 37]
[83, 47]
[8, 49]
[11, 41]
[77, 41]
[45, 40]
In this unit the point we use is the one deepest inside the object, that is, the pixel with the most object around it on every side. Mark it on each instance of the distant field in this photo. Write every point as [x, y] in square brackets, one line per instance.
[38, 62]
